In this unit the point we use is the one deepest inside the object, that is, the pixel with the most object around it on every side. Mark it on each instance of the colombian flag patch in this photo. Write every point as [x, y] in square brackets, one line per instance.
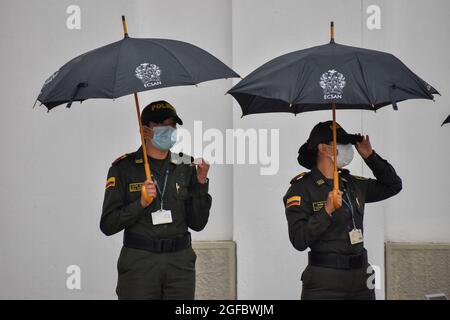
[293, 201]
[111, 182]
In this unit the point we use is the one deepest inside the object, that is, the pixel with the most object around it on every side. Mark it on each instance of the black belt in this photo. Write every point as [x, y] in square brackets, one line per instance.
[157, 244]
[338, 261]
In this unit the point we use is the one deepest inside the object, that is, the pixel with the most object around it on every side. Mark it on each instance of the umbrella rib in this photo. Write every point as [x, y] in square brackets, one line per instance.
[364, 79]
[176, 58]
[410, 74]
[115, 74]
[65, 75]
[299, 74]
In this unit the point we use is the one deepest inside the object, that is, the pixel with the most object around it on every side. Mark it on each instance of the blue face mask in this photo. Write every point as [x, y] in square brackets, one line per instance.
[164, 137]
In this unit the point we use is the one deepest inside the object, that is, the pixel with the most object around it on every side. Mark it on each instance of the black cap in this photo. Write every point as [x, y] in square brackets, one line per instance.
[158, 111]
[323, 133]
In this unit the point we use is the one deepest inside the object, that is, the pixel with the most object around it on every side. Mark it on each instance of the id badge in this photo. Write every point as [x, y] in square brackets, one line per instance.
[161, 217]
[356, 236]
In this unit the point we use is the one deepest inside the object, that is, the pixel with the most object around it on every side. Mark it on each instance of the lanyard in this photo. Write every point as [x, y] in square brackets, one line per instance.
[350, 205]
[161, 193]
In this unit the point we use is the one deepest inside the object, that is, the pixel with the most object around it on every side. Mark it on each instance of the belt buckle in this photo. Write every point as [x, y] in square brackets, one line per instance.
[166, 245]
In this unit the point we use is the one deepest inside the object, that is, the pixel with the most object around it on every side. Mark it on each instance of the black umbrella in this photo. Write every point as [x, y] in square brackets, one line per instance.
[330, 76]
[446, 120]
[129, 66]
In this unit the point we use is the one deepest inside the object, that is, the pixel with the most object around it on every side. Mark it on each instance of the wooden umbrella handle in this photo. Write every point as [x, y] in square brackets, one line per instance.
[148, 175]
[335, 172]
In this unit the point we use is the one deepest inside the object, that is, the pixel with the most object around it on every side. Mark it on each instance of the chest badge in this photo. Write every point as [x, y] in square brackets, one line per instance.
[318, 205]
[134, 187]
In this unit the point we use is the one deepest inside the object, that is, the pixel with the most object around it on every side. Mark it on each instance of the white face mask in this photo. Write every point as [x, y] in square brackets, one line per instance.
[344, 154]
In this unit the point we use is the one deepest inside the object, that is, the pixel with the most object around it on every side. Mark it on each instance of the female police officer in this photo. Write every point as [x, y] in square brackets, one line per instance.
[337, 262]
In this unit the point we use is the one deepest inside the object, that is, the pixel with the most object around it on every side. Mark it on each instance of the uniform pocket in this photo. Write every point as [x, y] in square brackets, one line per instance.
[130, 259]
[181, 183]
[182, 192]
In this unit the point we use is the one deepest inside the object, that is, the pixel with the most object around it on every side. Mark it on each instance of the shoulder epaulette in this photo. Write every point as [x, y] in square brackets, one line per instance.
[298, 177]
[120, 158]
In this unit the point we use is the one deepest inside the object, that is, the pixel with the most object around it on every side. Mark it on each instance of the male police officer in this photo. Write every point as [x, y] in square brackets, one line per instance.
[337, 267]
[156, 261]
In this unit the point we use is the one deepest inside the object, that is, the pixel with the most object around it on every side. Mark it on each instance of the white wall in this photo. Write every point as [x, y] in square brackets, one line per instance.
[419, 35]
[411, 139]
[54, 164]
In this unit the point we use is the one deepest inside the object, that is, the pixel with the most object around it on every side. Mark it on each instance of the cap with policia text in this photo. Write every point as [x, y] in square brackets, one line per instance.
[158, 111]
[323, 133]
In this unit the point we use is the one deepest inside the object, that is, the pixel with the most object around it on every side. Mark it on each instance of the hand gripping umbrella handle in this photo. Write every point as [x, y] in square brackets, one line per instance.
[144, 193]
[148, 175]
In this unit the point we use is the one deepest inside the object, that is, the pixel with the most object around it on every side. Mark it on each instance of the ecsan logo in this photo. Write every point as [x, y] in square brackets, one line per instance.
[332, 82]
[149, 74]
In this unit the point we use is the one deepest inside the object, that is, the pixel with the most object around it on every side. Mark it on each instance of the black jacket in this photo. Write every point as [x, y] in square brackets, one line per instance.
[187, 199]
[309, 224]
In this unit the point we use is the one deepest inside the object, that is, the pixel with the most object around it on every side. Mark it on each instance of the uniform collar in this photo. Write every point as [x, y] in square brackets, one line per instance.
[174, 158]
[320, 180]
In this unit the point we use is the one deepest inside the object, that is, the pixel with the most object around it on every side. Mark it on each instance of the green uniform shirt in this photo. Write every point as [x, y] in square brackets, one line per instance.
[185, 197]
[308, 223]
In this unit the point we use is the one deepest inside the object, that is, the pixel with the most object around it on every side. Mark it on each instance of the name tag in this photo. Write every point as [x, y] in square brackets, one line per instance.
[133, 187]
[356, 236]
[318, 205]
[161, 217]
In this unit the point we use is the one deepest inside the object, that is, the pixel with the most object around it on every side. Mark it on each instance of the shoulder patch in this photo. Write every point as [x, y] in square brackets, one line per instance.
[111, 182]
[293, 201]
[298, 177]
[120, 158]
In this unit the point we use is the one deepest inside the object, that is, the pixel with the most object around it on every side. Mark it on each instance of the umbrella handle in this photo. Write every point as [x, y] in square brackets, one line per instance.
[148, 175]
[335, 172]
[144, 193]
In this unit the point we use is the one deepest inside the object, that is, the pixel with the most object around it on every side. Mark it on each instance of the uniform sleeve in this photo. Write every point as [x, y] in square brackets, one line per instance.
[116, 213]
[304, 225]
[387, 182]
[198, 204]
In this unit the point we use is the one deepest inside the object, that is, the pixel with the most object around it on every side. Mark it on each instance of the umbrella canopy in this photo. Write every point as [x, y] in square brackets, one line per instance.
[131, 65]
[330, 76]
[446, 120]
[311, 79]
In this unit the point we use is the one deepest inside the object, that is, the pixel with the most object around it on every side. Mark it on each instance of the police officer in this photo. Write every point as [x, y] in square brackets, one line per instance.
[337, 263]
[156, 260]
